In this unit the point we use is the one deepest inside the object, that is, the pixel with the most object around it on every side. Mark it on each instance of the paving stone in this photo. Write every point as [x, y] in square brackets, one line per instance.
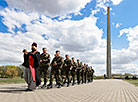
[98, 91]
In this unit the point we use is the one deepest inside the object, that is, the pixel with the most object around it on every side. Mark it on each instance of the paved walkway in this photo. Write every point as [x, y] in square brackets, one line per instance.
[98, 91]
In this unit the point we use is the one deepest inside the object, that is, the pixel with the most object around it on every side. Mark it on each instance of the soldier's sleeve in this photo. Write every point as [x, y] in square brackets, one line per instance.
[93, 70]
[70, 63]
[41, 57]
[49, 58]
[76, 64]
[60, 62]
[52, 62]
[63, 62]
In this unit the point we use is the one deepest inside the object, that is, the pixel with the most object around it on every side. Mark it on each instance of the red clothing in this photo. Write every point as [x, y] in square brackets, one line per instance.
[31, 65]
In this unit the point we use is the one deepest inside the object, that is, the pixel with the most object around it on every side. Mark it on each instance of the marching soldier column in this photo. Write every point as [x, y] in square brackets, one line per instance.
[63, 72]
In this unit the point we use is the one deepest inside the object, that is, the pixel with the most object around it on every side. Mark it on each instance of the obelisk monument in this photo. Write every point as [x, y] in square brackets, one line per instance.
[108, 64]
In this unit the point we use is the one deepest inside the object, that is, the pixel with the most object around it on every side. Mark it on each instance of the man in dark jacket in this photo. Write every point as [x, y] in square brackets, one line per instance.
[32, 66]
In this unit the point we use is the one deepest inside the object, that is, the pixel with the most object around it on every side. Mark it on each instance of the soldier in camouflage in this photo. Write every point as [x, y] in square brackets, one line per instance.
[63, 74]
[91, 73]
[44, 65]
[67, 66]
[73, 70]
[56, 65]
[82, 74]
[85, 73]
[78, 71]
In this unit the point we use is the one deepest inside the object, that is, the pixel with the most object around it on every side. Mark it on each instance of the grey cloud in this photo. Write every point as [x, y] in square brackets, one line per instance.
[48, 7]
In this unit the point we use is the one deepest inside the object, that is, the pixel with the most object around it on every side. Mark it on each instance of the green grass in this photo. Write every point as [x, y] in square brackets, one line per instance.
[134, 82]
[11, 81]
[14, 80]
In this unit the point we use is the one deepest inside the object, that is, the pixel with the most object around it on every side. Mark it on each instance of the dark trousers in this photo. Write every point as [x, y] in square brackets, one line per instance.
[44, 72]
[85, 77]
[82, 76]
[78, 76]
[67, 77]
[37, 77]
[55, 72]
[73, 76]
[92, 77]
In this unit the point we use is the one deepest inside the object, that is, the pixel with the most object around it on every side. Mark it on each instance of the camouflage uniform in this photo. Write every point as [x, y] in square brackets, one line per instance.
[85, 74]
[82, 74]
[56, 65]
[66, 67]
[92, 71]
[44, 65]
[73, 71]
[78, 72]
[89, 75]
[63, 73]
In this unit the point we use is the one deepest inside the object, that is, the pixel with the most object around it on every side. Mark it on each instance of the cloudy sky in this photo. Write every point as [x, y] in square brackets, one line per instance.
[75, 27]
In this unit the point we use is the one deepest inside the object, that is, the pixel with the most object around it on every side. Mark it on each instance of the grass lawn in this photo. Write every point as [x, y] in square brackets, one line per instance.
[134, 82]
[11, 81]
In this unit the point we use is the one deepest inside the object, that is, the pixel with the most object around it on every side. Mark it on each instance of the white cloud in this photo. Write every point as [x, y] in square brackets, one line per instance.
[125, 68]
[116, 2]
[49, 7]
[81, 39]
[129, 55]
[102, 4]
[132, 36]
[13, 18]
[118, 25]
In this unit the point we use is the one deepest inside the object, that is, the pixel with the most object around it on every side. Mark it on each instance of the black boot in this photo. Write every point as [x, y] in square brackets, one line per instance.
[28, 90]
[73, 84]
[68, 85]
[49, 86]
[59, 86]
[43, 86]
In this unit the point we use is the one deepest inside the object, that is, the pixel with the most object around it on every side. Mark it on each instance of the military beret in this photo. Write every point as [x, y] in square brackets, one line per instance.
[66, 55]
[57, 51]
[24, 50]
[77, 59]
[44, 48]
[34, 44]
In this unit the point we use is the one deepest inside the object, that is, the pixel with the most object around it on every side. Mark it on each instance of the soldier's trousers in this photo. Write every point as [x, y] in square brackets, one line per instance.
[78, 76]
[55, 72]
[67, 77]
[82, 76]
[73, 76]
[85, 77]
[89, 77]
[92, 77]
[63, 74]
[44, 72]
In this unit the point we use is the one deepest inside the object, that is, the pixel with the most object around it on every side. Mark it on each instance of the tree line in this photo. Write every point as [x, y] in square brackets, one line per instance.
[10, 71]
